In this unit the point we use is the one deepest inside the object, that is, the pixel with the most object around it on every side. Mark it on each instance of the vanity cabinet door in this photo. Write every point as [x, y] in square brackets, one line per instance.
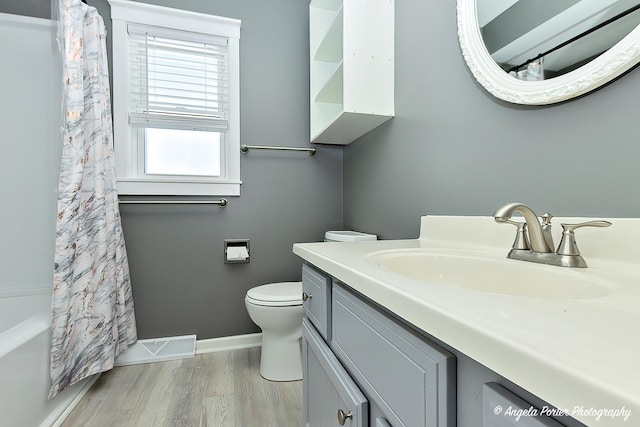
[410, 379]
[316, 299]
[501, 408]
[327, 388]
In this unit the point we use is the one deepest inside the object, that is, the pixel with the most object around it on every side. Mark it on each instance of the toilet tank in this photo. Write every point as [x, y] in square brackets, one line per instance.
[348, 236]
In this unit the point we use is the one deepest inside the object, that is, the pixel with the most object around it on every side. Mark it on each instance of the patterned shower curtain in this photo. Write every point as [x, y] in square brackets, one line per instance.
[533, 73]
[92, 308]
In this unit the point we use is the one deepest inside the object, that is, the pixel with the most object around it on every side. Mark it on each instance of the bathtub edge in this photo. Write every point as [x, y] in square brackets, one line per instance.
[58, 416]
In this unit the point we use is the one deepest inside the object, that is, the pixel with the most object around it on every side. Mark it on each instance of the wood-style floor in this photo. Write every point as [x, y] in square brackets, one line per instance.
[216, 390]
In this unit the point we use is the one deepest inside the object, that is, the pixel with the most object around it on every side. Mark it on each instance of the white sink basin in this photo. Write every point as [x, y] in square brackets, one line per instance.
[491, 274]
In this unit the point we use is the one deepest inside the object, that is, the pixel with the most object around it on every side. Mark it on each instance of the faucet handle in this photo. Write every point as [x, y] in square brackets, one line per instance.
[521, 241]
[568, 244]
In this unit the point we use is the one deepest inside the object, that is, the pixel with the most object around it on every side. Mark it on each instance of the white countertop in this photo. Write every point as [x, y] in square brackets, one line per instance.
[582, 353]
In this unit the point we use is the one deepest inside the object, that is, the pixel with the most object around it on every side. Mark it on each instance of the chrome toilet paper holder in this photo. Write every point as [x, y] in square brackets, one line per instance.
[236, 251]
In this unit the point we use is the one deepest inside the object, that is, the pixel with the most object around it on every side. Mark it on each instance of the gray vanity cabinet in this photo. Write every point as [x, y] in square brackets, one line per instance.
[358, 357]
[327, 388]
[409, 378]
[381, 422]
[496, 401]
[368, 365]
[316, 299]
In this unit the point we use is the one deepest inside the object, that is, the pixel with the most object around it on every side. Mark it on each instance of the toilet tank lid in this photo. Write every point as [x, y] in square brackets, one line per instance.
[349, 236]
[277, 292]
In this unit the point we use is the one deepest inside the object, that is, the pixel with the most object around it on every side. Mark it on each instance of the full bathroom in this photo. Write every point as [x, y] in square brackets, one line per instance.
[452, 143]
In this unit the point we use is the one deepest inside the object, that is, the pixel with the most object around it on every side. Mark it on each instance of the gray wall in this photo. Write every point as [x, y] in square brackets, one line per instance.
[35, 8]
[454, 149]
[180, 283]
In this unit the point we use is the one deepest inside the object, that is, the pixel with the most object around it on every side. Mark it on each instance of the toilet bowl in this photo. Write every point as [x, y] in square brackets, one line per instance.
[277, 309]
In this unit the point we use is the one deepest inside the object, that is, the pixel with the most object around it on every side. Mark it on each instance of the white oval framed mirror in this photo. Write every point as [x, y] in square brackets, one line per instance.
[597, 71]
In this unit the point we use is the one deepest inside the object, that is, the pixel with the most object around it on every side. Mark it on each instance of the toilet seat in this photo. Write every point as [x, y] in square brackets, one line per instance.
[276, 294]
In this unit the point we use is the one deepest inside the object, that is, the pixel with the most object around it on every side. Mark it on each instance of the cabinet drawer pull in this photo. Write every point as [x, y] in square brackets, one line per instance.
[306, 296]
[342, 417]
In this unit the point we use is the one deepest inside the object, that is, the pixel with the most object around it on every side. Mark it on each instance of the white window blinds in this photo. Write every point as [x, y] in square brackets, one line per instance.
[178, 80]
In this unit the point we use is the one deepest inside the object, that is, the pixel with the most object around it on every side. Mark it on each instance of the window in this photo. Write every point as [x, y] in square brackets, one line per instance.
[176, 101]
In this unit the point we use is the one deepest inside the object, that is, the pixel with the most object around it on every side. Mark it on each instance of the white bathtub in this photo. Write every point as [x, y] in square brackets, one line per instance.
[25, 339]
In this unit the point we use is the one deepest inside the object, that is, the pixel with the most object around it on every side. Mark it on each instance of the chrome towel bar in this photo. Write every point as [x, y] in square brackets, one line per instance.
[245, 149]
[221, 202]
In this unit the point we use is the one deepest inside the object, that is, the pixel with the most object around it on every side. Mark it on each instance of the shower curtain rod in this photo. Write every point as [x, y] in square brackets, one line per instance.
[579, 36]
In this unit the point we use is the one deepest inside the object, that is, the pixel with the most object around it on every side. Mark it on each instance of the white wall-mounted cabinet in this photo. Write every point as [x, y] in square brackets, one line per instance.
[351, 68]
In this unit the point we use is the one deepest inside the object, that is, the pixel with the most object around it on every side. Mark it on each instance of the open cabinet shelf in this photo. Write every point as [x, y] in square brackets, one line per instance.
[330, 48]
[351, 68]
[327, 4]
[332, 90]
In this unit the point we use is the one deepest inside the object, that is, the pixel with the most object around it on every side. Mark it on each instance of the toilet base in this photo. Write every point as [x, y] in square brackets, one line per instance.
[281, 323]
[281, 358]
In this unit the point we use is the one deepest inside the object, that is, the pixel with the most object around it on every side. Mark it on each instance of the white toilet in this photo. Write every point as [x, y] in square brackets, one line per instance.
[277, 309]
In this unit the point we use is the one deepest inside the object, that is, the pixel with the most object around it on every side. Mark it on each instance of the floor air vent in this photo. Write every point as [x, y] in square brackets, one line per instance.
[158, 349]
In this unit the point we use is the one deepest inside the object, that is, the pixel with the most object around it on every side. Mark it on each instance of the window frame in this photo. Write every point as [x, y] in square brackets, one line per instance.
[130, 179]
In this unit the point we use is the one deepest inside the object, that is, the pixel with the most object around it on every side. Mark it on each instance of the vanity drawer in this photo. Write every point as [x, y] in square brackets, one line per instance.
[316, 295]
[411, 380]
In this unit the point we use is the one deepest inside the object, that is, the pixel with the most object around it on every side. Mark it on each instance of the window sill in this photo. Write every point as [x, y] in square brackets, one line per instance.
[165, 188]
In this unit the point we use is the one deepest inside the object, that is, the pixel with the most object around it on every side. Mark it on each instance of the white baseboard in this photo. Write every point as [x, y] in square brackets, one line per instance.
[235, 342]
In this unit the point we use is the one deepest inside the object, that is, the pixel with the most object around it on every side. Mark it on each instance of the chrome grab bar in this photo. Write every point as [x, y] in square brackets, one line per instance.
[221, 202]
[244, 149]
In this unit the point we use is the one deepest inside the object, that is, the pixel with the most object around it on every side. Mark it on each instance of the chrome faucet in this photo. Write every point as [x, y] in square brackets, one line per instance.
[546, 230]
[534, 241]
